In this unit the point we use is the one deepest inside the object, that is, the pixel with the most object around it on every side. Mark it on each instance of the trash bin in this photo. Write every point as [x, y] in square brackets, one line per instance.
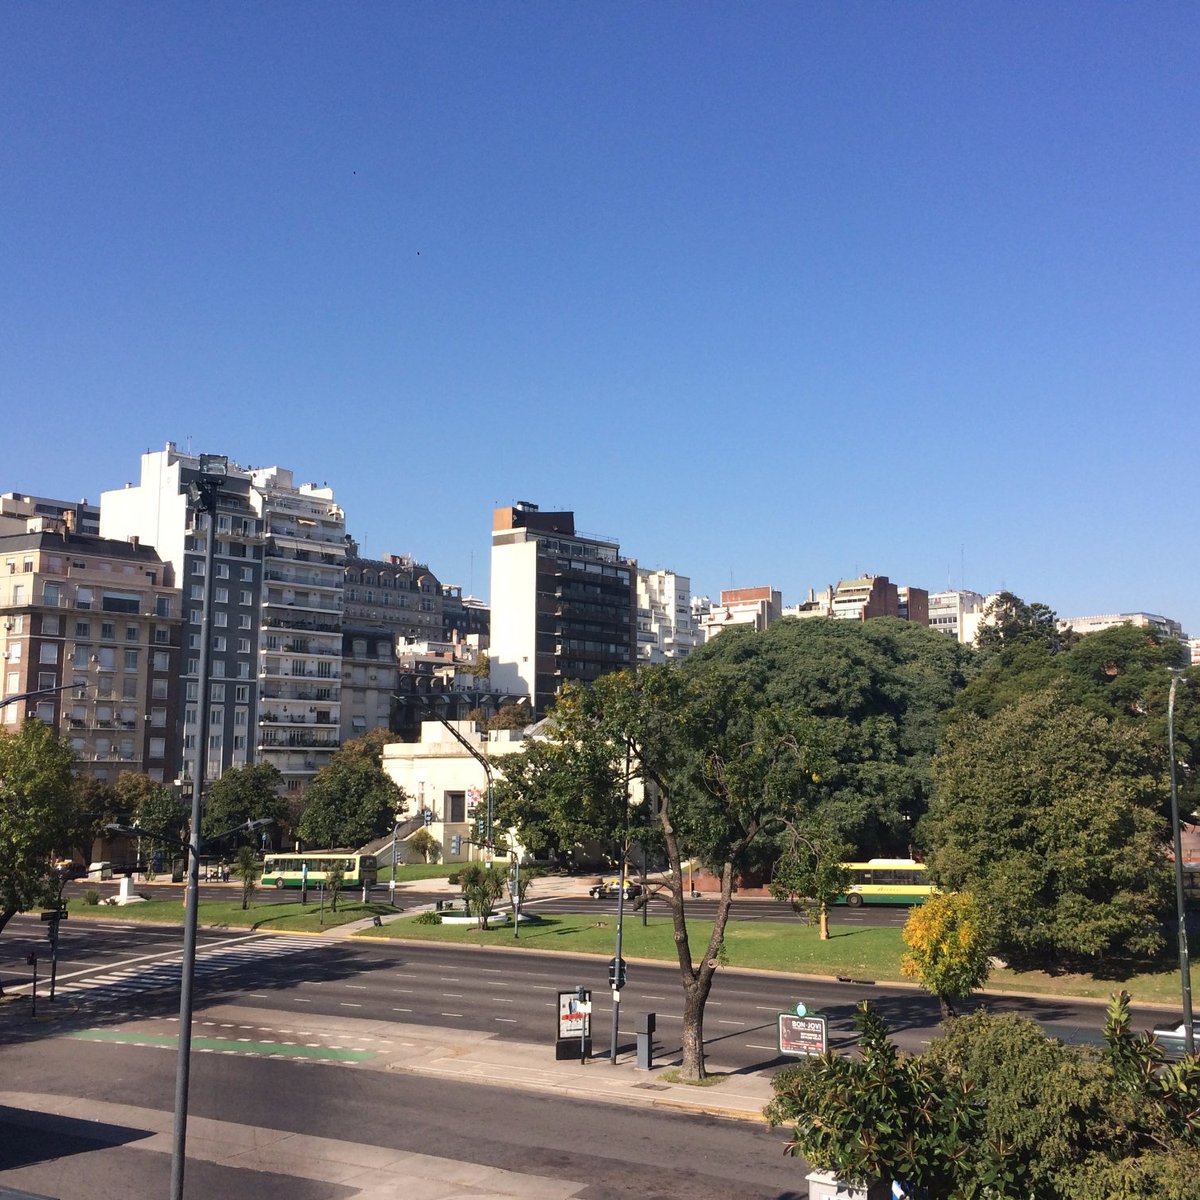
[643, 1026]
[177, 870]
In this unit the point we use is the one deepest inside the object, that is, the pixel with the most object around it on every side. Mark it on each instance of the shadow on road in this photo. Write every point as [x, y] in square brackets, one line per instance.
[28, 1138]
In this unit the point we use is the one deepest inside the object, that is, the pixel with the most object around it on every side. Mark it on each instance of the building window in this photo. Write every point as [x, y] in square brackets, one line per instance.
[131, 660]
[245, 596]
[131, 633]
[244, 621]
[219, 645]
[162, 606]
[222, 596]
[158, 689]
[51, 594]
[162, 660]
[216, 716]
[108, 631]
[220, 620]
[456, 806]
[216, 693]
[193, 666]
[197, 592]
[158, 747]
[223, 568]
[129, 687]
[51, 626]
[241, 693]
[247, 574]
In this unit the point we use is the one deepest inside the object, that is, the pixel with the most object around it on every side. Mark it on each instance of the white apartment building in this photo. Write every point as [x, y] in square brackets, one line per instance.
[275, 658]
[664, 615]
[1141, 620]
[300, 640]
[956, 613]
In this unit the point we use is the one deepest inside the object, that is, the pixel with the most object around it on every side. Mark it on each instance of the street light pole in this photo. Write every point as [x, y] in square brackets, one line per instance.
[203, 495]
[1185, 971]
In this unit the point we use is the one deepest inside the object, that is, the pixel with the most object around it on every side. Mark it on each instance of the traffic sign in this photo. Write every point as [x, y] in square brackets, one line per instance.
[802, 1036]
[801, 1009]
[59, 914]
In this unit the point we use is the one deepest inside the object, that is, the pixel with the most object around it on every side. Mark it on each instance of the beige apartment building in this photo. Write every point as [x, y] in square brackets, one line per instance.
[91, 632]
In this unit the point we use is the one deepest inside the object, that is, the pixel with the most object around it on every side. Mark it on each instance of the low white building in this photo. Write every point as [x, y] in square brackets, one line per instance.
[1140, 620]
[442, 778]
[956, 613]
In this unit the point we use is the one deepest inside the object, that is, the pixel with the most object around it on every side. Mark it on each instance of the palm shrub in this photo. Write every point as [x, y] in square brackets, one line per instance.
[246, 868]
[482, 885]
[333, 885]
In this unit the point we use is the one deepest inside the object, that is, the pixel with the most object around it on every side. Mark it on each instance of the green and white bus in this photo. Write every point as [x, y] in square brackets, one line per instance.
[887, 881]
[287, 870]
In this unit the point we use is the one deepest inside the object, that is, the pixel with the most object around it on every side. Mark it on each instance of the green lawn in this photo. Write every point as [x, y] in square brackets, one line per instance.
[407, 872]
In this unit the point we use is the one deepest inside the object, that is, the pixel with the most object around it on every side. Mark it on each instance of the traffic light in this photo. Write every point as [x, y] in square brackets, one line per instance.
[616, 973]
[456, 845]
[428, 817]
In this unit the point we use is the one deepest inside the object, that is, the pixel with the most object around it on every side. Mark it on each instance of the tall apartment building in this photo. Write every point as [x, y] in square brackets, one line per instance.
[758, 607]
[275, 655]
[956, 613]
[464, 617]
[78, 609]
[564, 605]
[388, 601]
[300, 641]
[664, 616]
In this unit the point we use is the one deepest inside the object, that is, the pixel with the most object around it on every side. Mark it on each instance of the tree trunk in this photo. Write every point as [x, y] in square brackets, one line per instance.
[824, 922]
[694, 999]
[947, 1008]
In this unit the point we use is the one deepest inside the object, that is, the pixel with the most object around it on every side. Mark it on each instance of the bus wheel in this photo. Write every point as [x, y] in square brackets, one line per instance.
[854, 900]
[279, 883]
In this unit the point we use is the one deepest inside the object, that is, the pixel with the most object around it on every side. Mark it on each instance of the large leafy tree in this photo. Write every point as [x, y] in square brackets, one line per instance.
[37, 814]
[158, 811]
[1053, 817]
[1010, 621]
[720, 768]
[351, 801]
[249, 793]
[879, 691]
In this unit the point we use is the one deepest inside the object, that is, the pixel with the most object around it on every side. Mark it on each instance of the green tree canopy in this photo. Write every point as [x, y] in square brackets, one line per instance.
[1053, 817]
[719, 767]
[37, 814]
[878, 690]
[249, 793]
[350, 802]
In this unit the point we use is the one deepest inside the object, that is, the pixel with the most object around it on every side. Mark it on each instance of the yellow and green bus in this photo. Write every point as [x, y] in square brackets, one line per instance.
[287, 870]
[887, 881]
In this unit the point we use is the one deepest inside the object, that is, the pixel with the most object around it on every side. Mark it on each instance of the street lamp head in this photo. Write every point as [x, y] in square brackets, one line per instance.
[215, 466]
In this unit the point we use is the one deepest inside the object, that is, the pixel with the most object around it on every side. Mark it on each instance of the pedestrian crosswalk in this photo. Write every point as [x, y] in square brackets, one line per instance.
[141, 980]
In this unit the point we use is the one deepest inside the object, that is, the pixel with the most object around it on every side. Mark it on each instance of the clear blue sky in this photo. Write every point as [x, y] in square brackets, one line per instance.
[774, 293]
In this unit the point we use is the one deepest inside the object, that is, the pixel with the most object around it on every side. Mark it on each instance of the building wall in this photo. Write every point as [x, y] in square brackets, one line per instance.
[1141, 620]
[438, 774]
[665, 626]
[948, 612]
[101, 614]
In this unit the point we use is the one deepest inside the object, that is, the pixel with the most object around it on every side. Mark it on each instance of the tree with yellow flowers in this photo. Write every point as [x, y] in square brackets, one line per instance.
[949, 947]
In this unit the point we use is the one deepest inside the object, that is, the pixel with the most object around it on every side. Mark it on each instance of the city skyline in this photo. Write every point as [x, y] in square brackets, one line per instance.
[774, 296]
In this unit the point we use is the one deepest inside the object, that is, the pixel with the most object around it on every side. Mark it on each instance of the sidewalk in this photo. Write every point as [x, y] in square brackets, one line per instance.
[481, 1058]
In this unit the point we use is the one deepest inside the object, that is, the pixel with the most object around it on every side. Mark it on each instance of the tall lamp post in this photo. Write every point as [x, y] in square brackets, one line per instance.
[1185, 971]
[203, 494]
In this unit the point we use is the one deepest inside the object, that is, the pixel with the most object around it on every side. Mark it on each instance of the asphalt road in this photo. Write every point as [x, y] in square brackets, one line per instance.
[594, 1151]
[123, 969]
